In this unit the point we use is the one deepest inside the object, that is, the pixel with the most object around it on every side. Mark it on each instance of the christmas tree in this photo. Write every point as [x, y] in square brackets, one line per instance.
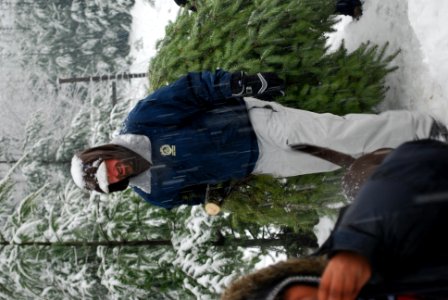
[286, 37]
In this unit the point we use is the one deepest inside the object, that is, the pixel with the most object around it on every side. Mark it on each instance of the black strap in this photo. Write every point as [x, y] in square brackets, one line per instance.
[333, 156]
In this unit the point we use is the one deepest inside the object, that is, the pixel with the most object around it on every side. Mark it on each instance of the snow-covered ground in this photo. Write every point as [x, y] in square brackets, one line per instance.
[419, 29]
[148, 26]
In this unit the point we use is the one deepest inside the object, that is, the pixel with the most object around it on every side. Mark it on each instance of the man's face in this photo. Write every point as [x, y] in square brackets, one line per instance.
[117, 170]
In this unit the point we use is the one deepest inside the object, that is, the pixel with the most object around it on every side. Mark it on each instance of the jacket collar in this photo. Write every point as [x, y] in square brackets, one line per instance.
[142, 146]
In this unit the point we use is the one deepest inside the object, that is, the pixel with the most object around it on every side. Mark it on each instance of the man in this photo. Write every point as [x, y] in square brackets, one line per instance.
[200, 130]
[389, 244]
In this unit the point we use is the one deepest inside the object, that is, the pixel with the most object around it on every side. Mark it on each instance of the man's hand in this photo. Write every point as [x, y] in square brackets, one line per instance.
[346, 273]
[264, 86]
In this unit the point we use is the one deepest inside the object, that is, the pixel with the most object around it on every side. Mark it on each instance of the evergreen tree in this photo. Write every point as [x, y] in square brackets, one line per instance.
[293, 204]
[287, 37]
[77, 37]
[114, 247]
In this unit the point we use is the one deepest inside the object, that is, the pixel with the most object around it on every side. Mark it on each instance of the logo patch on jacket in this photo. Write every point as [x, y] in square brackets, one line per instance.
[167, 150]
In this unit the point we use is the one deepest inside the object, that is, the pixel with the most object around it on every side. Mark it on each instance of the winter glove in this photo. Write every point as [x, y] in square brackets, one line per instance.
[349, 8]
[265, 86]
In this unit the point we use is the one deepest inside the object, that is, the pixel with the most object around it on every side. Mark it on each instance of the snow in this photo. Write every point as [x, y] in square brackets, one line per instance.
[77, 172]
[270, 258]
[323, 229]
[26, 230]
[148, 26]
[101, 176]
[420, 30]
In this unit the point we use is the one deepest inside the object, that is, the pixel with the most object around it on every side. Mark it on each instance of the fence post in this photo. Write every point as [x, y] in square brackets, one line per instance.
[101, 78]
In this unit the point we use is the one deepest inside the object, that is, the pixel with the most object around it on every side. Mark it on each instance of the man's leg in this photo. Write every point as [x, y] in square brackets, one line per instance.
[276, 156]
[357, 134]
[278, 127]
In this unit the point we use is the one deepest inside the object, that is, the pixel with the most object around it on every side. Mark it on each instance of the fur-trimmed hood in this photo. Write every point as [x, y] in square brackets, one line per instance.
[257, 285]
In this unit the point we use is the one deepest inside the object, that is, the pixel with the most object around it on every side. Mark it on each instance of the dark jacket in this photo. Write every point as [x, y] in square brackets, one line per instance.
[399, 221]
[199, 135]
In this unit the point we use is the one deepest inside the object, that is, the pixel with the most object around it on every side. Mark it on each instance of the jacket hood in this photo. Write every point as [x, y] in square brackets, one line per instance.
[259, 284]
[141, 145]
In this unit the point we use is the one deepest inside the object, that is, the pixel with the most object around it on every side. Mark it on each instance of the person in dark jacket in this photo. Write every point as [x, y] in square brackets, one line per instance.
[206, 129]
[389, 243]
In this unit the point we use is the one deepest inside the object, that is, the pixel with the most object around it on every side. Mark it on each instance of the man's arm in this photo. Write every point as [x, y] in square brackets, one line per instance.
[208, 88]
[193, 94]
[183, 99]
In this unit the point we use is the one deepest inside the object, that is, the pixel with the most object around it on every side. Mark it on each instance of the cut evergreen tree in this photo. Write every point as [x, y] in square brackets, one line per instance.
[286, 37]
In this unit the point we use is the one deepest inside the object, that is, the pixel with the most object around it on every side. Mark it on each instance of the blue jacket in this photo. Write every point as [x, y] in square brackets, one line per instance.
[199, 135]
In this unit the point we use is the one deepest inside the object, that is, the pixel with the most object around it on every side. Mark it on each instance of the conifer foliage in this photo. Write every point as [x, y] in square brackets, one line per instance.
[287, 37]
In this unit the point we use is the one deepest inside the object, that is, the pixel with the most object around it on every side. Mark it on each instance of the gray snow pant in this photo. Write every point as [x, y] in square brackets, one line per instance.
[277, 127]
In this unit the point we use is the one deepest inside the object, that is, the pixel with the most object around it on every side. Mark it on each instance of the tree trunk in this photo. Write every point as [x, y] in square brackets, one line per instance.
[305, 242]
[102, 78]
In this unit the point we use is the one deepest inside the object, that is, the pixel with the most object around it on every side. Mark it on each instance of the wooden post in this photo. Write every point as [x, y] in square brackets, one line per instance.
[114, 93]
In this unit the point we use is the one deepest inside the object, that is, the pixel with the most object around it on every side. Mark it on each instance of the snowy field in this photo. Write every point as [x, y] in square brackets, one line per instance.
[419, 29]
